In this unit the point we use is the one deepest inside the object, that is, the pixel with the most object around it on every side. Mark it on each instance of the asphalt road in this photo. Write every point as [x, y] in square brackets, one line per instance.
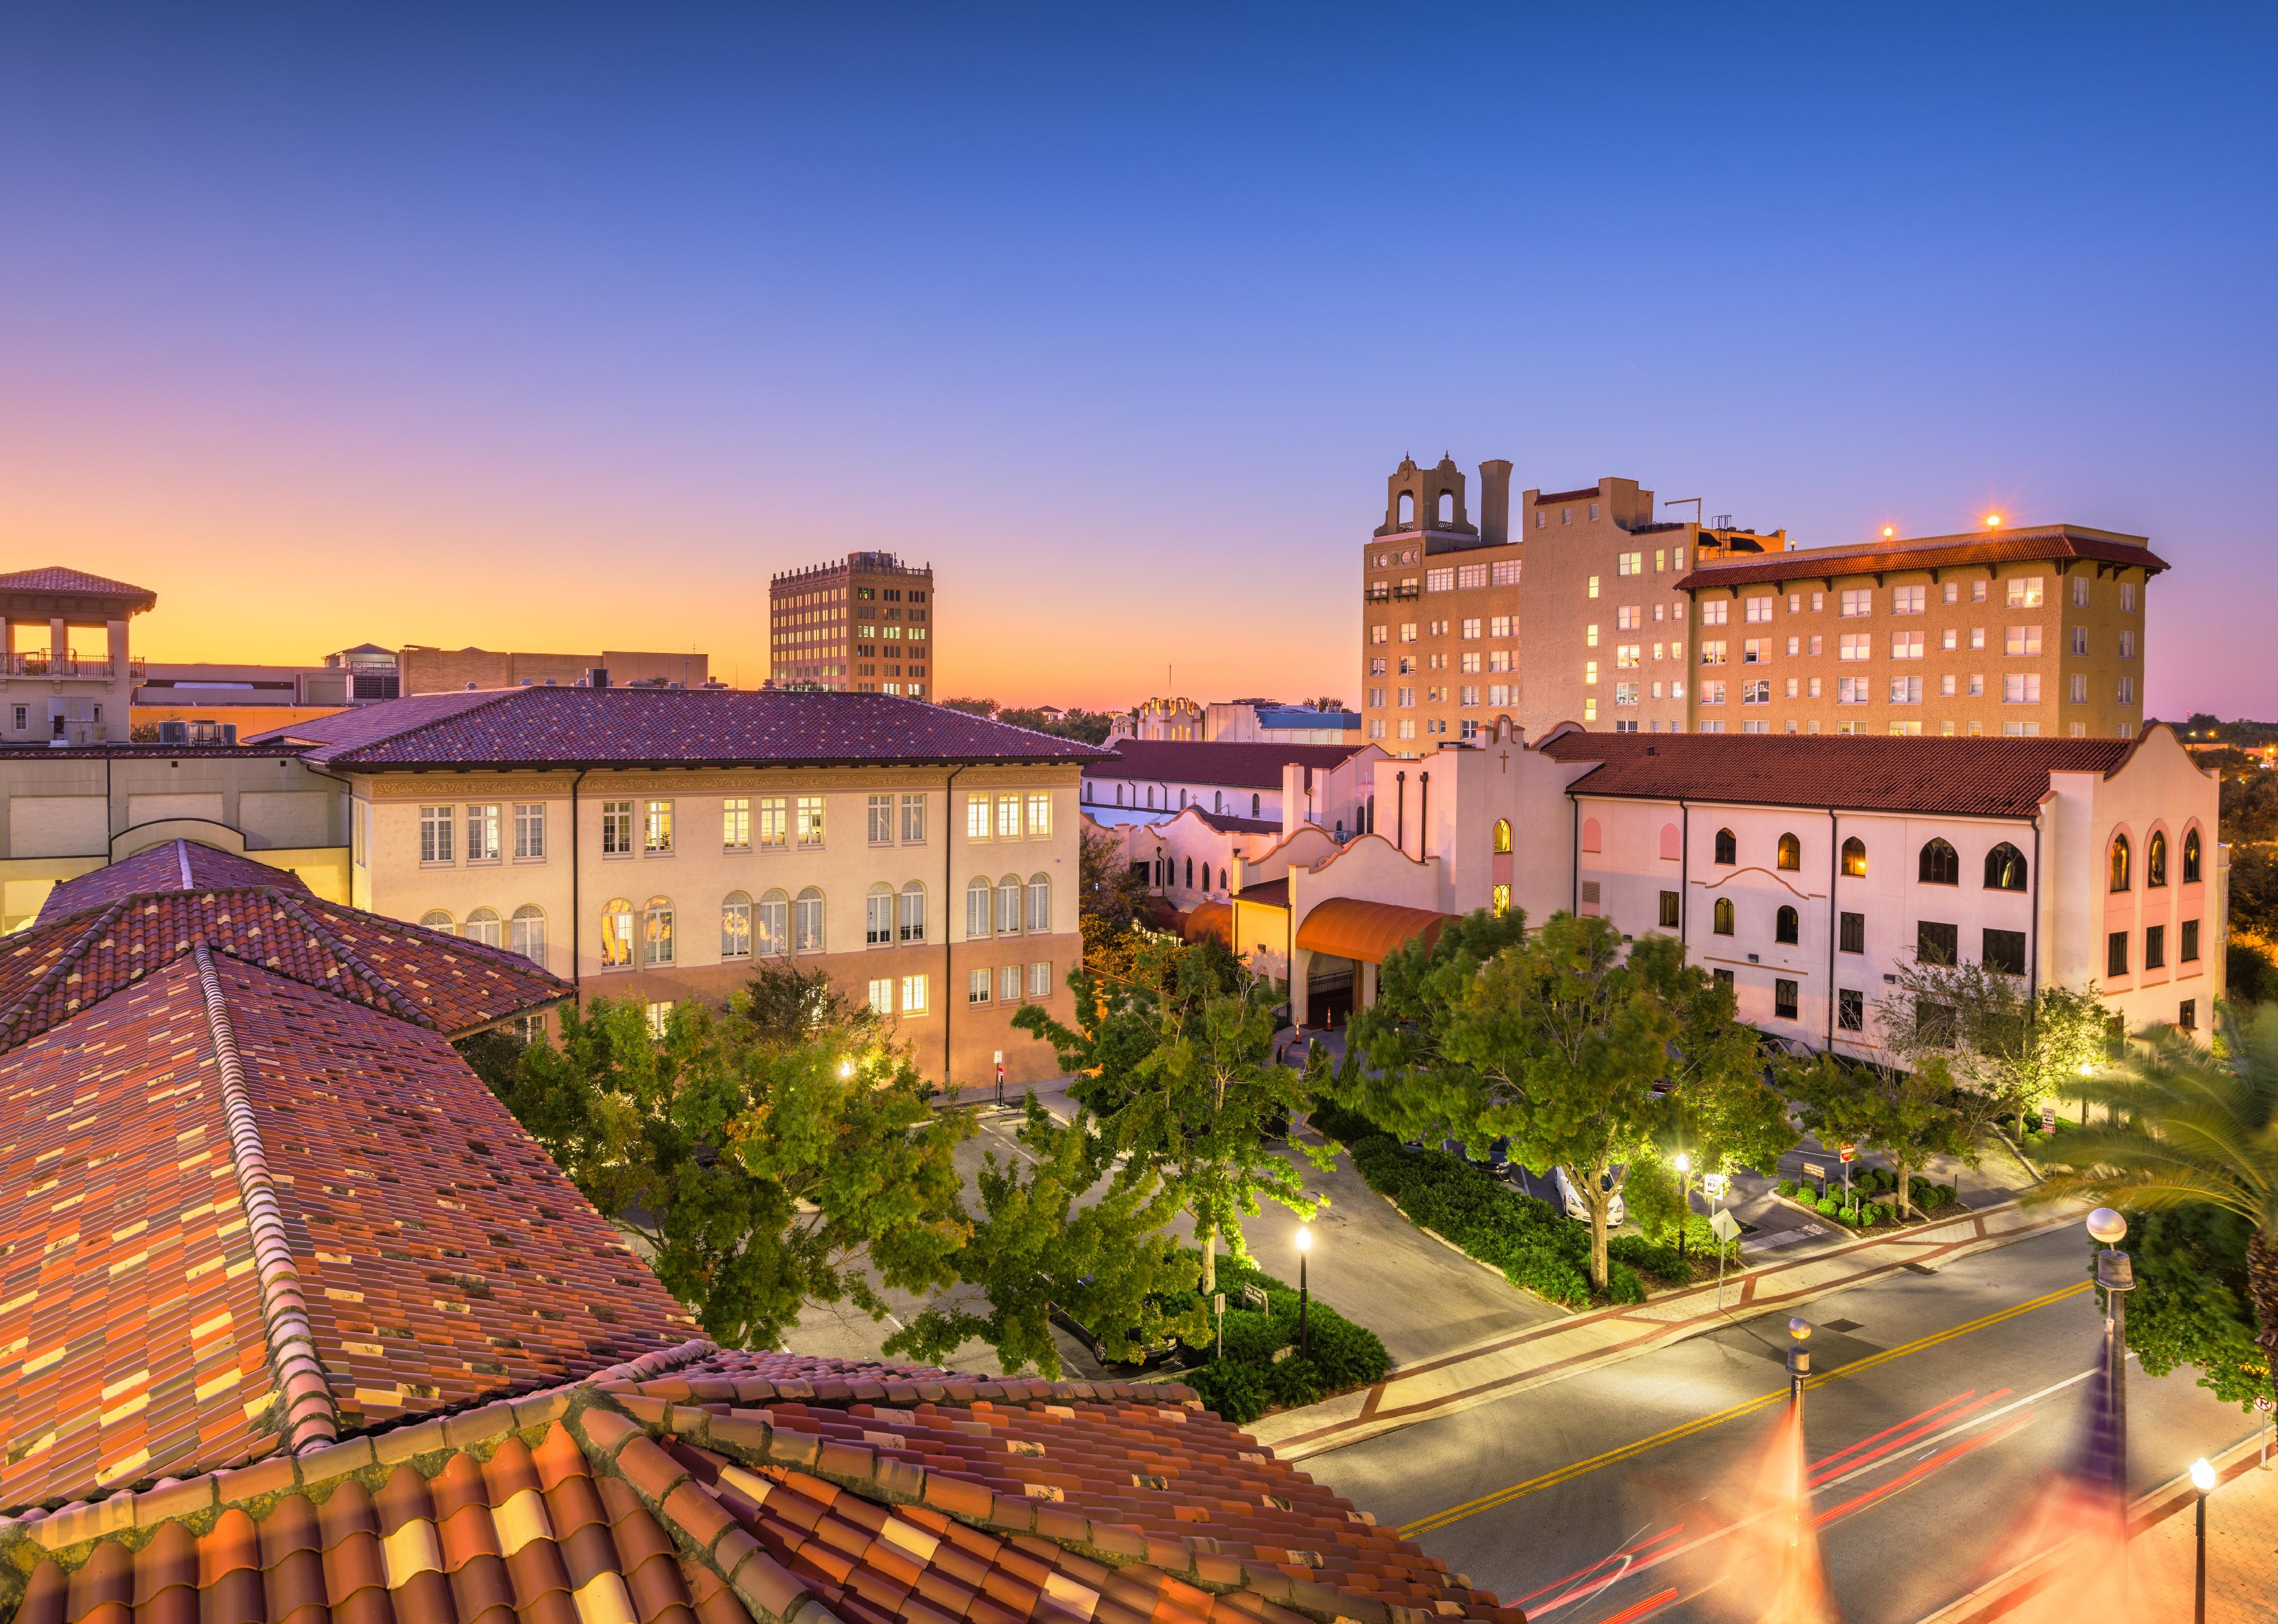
[1600, 1499]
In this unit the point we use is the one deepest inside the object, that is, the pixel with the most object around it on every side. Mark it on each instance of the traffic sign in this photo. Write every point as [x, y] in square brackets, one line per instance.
[1724, 1225]
[2048, 1119]
[1714, 1185]
[1849, 1151]
[1812, 1170]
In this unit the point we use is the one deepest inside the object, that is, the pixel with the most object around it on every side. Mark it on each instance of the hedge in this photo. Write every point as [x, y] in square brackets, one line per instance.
[1247, 1382]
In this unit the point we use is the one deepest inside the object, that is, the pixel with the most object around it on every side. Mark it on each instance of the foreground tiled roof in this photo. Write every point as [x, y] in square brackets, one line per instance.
[1988, 777]
[239, 1214]
[176, 865]
[657, 727]
[54, 578]
[1249, 766]
[696, 1485]
[1983, 548]
[73, 960]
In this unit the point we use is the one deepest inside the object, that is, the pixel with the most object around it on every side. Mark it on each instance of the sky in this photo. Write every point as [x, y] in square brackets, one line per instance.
[562, 328]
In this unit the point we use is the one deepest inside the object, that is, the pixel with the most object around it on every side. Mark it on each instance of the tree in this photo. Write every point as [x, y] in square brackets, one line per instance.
[1176, 1062]
[1396, 1067]
[2190, 1126]
[971, 707]
[2009, 1047]
[2192, 1305]
[1113, 900]
[1039, 1244]
[762, 1171]
[1908, 1114]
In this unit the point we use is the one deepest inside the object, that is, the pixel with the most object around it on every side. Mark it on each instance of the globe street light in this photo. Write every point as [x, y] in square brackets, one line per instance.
[2202, 1480]
[1304, 1246]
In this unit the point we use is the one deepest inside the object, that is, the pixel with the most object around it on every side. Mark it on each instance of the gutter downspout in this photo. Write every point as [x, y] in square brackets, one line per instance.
[1423, 816]
[1834, 919]
[948, 961]
[1574, 867]
[1400, 812]
[576, 913]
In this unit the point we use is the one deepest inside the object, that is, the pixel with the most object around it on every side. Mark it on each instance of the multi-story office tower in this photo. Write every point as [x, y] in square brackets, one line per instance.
[1634, 625]
[863, 625]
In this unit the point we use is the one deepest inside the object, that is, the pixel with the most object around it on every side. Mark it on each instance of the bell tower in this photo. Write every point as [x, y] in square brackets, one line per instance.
[1417, 498]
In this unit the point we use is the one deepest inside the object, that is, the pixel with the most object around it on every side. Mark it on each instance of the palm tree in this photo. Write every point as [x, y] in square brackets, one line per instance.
[2189, 1125]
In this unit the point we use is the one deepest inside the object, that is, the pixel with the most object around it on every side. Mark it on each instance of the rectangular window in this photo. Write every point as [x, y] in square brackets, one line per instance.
[914, 994]
[436, 824]
[1909, 599]
[1008, 984]
[2127, 598]
[1855, 646]
[2187, 945]
[2005, 951]
[2155, 947]
[2022, 640]
[1440, 580]
[1851, 1009]
[1907, 690]
[1850, 934]
[978, 985]
[2187, 1017]
[2080, 688]
[1712, 693]
[1380, 633]
[1978, 591]
[1857, 601]
[913, 819]
[1953, 593]
[1905, 646]
[1589, 671]
[1008, 816]
[1712, 652]
[1850, 691]
[1755, 650]
[1629, 656]
[482, 833]
[1039, 979]
[882, 995]
[1758, 692]
[881, 810]
[2080, 591]
[1408, 631]
[2127, 690]
[656, 830]
[1936, 943]
[1471, 627]
[810, 820]
[2115, 953]
[976, 816]
[616, 829]
[1628, 563]
[529, 831]
[1669, 901]
[1468, 696]
[1758, 610]
[1714, 611]
[1505, 573]
[1040, 815]
[735, 823]
[2025, 593]
[774, 822]
[2020, 688]
[1783, 999]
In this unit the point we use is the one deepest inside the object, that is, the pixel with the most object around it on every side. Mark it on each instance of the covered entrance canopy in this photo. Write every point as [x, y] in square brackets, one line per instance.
[1366, 931]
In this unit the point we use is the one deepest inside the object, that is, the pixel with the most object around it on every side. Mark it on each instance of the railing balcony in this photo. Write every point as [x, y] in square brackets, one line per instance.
[42, 662]
[1384, 594]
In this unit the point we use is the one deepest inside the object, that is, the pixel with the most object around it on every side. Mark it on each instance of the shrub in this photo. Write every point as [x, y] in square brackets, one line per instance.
[1236, 1391]
[1622, 1283]
[1658, 1259]
[1830, 1206]
[1787, 1186]
[1245, 1382]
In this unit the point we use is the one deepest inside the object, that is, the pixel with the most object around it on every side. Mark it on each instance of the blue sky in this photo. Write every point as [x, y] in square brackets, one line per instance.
[564, 327]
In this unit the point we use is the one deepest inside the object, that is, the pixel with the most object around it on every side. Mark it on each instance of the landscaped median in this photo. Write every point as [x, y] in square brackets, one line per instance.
[1534, 1246]
[1932, 1202]
[1257, 1374]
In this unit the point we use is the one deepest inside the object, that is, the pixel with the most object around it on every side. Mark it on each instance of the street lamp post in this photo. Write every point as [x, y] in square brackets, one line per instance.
[1683, 1165]
[1304, 1246]
[1799, 1365]
[2116, 1275]
[2202, 1480]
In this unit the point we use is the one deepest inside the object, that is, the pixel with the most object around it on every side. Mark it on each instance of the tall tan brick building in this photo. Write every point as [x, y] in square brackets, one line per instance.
[863, 624]
[1590, 609]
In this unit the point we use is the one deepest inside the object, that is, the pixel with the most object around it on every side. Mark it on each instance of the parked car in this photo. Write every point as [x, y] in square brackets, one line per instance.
[1570, 1197]
[1164, 1350]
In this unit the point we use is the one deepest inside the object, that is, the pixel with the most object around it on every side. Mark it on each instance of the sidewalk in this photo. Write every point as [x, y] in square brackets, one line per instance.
[2162, 1557]
[1527, 1358]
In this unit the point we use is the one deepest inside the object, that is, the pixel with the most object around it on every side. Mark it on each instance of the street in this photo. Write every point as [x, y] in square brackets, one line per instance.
[1943, 1403]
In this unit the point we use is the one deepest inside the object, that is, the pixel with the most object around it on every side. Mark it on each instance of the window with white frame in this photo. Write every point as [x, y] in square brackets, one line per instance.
[977, 894]
[1855, 646]
[810, 820]
[977, 816]
[1630, 564]
[880, 810]
[436, 825]
[735, 823]
[1906, 690]
[2023, 640]
[2020, 688]
[483, 832]
[1712, 693]
[806, 922]
[878, 916]
[617, 828]
[1008, 815]
[529, 831]
[617, 934]
[1039, 979]
[484, 926]
[2080, 688]
[1471, 575]
[1040, 815]
[979, 984]
[2080, 591]
[1855, 601]
[1629, 656]
[1712, 651]
[736, 925]
[1905, 646]
[526, 932]
[913, 911]
[659, 1017]
[2127, 690]
[1503, 573]
[1758, 692]
[1714, 611]
[1755, 650]
[1008, 905]
[1759, 608]
[1440, 580]
[882, 995]
[1909, 599]
[913, 819]
[2127, 598]
[656, 931]
[1008, 984]
[914, 991]
[1850, 691]
[775, 822]
[2025, 593]
[1471, 627]
[656, 830]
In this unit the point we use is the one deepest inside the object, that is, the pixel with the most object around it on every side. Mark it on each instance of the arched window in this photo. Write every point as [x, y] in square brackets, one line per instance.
[1040, 902]
[435, 918]
[806, 922]
[1791, 852]
[1728, 849]
[1447, 507]
[736, 925]
[484, 926]
[2155, 862]
[1191, 873]
[1087, 791]
[977, 907]
[1218, 800]
[1673, 843]
[2005, 869]
[2190, 857]
[1119, 795]
[527, 933]
[1008, 905]
[1940, 864]
[2121, 879]
[1723, 924]
[913, 911]
[878, 916]
[1407, 509]
[1255, 803]
[1784, 925]
[775, 924]
[1854, 858]
[617, 934]
[1593, 838]
[1502, 835]
[656, 931]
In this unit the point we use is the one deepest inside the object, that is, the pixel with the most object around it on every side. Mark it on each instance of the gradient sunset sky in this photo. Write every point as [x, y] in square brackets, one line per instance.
[561, 328]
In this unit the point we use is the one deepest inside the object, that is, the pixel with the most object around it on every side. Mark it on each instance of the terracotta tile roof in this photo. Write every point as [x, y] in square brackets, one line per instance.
[239, 1214]
[708, 1488]
[57, 579]
[2018, 546]
[1249, 766]
[176, 865]
[657, 727]
[56, 971]
[1989, 777]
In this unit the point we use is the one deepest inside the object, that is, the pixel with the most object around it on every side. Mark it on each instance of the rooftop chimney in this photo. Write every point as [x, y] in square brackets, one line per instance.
[1494, 502]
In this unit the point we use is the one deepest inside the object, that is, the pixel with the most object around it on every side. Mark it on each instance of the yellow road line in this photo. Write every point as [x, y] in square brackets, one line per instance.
[1551, 1479]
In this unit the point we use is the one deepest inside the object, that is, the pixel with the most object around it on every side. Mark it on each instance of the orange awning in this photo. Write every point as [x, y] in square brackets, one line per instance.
[1351, 929]
[1208, 920]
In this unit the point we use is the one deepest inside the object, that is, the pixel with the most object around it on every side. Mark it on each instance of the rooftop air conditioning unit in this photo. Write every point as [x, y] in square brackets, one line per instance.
[173, 733]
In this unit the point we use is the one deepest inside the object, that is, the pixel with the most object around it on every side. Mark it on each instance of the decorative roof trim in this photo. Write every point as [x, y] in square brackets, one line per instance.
[310, 1417]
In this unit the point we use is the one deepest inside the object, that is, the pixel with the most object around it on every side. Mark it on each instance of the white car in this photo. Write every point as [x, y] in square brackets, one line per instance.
[1570, 1197]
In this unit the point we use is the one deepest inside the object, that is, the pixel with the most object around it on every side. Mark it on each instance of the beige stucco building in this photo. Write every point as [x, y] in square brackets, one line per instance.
[65, 670]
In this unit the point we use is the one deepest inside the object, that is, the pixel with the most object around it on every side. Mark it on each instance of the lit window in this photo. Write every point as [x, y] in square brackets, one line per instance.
[774, 938]
[1857, 601]
[1040, 815]
[914, 994]
[656, 830]
[435, 837]
[736, 926]
[1909, 599]
[656, 931]
[882, 995]
[2025, 593]
[1759, 609]
[880, 808]
[810, 820]
[808, 922]
[529, 831]
[526, 932]
[617, 934]
[976, 816]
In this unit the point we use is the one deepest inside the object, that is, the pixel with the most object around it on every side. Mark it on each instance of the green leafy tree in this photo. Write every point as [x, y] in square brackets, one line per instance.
[2192, 1304]
[2004, 1044]
[763, 1172]
[1175, 1060]
[2186, 1126]
[1053, 1236]
[1909, 1115]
